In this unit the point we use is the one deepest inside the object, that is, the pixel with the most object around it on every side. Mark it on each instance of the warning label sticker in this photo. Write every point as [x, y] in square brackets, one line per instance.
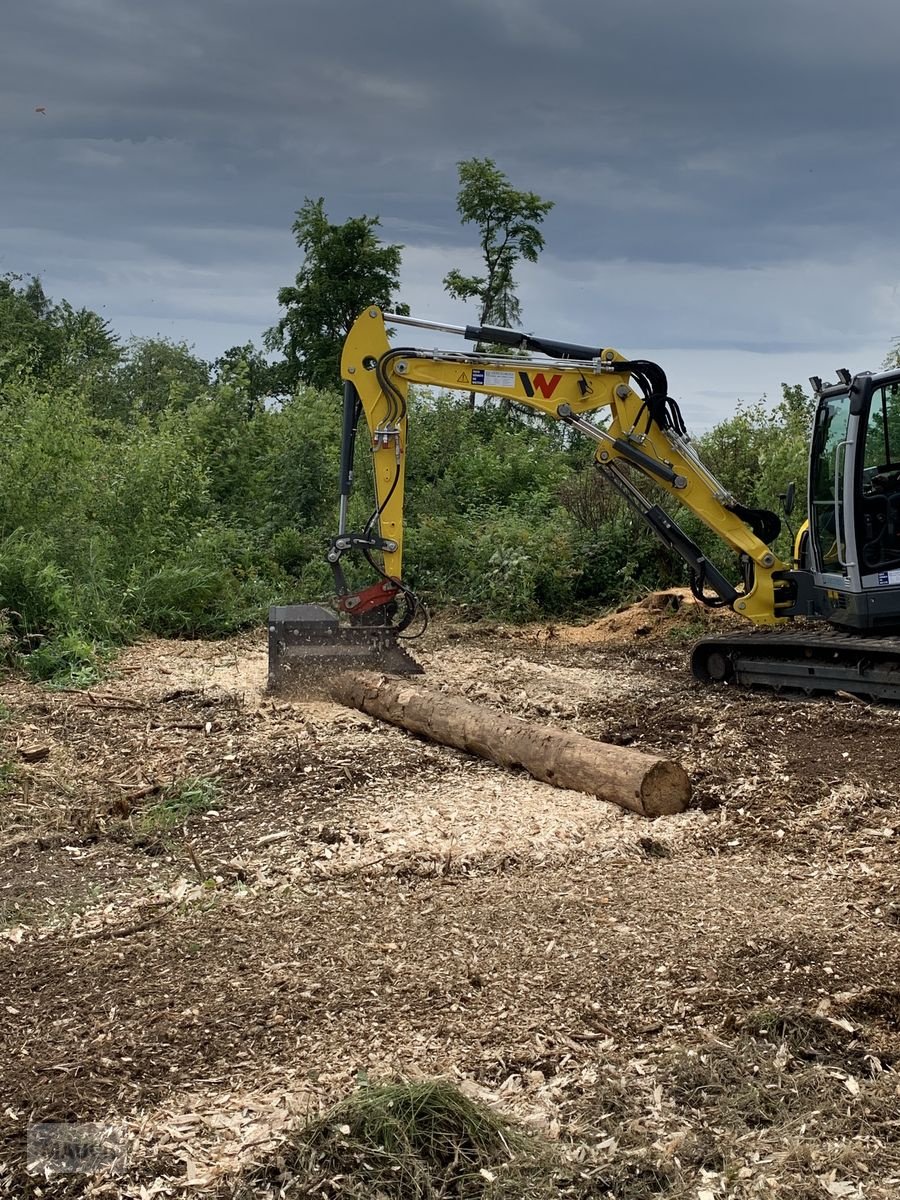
[888, 577]
[502, 379]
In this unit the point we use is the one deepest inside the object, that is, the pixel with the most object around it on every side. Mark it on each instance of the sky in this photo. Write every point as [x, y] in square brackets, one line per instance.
[725, 173]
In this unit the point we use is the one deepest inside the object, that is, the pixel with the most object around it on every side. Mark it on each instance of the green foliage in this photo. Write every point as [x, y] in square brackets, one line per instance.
[137, 493]
[758, 451]
[180, 801]
[35, 592]
[495, 562]
[66, 661]
[9, 772]
[156, 377]
[39, 338]
[508, 222]
[755, 454]
[251, 377]
[345, 267]
[210, 589]
[110, 527]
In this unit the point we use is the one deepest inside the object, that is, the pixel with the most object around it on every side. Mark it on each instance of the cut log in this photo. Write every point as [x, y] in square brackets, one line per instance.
[640, 782]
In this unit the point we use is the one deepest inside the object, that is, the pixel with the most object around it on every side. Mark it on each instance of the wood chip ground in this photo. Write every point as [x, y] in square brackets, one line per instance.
[352, 903]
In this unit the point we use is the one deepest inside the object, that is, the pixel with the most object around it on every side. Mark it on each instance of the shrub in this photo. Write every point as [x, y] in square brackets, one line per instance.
[65, 661]
[36, 594]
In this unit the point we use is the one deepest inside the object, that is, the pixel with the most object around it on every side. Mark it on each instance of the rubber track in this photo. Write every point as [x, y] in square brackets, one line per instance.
[820, 661]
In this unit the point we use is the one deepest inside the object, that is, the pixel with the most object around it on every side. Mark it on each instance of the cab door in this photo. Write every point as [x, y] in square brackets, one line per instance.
[832, 471]
[878, 487]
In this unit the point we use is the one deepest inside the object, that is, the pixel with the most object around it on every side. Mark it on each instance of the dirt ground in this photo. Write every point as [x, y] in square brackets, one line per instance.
[220, 912]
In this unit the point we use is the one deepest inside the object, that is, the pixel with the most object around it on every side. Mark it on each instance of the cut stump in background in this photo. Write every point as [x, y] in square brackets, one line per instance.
[640, 782]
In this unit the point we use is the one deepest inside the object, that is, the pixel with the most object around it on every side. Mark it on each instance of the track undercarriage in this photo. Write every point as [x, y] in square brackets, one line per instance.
[810, 661]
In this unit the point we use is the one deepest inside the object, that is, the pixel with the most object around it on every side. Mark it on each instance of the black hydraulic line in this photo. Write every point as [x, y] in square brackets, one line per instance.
[395, 398]
[654, 376]
[497, 336]
[414, 606]
[349, 423]
[765, 524]
[649, 376]
[379, 509]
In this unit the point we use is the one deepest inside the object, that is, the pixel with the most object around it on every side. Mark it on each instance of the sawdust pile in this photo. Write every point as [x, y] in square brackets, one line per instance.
[672, 613]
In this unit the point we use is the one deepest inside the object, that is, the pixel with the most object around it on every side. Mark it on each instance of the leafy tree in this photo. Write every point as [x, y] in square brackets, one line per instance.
[40, 338]
[509, 230]
[246, 370]
[29, 343]
[759, 450]
[345, 268]
[509, 223]
[158, 375]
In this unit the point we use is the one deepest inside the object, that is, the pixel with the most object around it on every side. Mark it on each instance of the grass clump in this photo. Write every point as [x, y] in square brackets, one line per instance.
[407, 1141]
[179, 802]
[67, 661]
[685, 633]
[792, 1089]
[9, 772]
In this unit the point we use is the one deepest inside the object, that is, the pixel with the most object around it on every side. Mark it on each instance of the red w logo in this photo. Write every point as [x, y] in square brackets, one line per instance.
[544, 385]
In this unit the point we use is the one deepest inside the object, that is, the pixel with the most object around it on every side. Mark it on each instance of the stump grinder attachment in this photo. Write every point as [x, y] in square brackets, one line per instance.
[308, 644]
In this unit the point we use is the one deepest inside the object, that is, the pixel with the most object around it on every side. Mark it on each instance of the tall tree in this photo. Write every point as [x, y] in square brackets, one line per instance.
[509, 223]
[246, 370]
[345, 267]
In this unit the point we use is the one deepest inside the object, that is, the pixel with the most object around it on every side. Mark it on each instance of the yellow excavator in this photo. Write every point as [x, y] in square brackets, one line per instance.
[832, 614]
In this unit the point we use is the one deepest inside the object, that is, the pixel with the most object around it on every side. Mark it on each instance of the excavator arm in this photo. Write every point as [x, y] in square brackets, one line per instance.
[642, 436]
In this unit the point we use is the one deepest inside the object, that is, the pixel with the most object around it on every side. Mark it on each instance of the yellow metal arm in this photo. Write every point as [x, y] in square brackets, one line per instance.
[562, 389]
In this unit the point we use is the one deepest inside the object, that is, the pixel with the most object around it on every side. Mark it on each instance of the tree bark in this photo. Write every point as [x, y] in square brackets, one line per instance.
[640, 782]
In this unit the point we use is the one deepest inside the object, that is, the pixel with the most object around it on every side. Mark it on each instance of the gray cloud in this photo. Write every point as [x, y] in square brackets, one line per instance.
[684, 145]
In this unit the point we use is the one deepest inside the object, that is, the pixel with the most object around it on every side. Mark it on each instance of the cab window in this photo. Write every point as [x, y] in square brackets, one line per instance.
[878, 520]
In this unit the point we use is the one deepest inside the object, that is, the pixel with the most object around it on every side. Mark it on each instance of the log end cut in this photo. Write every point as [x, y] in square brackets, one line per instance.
[664, 789]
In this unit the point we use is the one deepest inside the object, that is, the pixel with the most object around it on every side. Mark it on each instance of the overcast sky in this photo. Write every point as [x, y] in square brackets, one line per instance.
[725, 172]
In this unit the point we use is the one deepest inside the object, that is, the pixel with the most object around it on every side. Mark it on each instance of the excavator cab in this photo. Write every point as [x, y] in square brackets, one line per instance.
[854, 501]
[847, 559]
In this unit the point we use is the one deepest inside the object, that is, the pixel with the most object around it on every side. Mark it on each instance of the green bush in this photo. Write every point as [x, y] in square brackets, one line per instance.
[139, 493]
[66, 661]
[210, 588]
[36, 593]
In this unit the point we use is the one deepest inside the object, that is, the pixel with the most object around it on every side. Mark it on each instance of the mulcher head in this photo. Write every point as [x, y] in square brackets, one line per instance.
[307, 645]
